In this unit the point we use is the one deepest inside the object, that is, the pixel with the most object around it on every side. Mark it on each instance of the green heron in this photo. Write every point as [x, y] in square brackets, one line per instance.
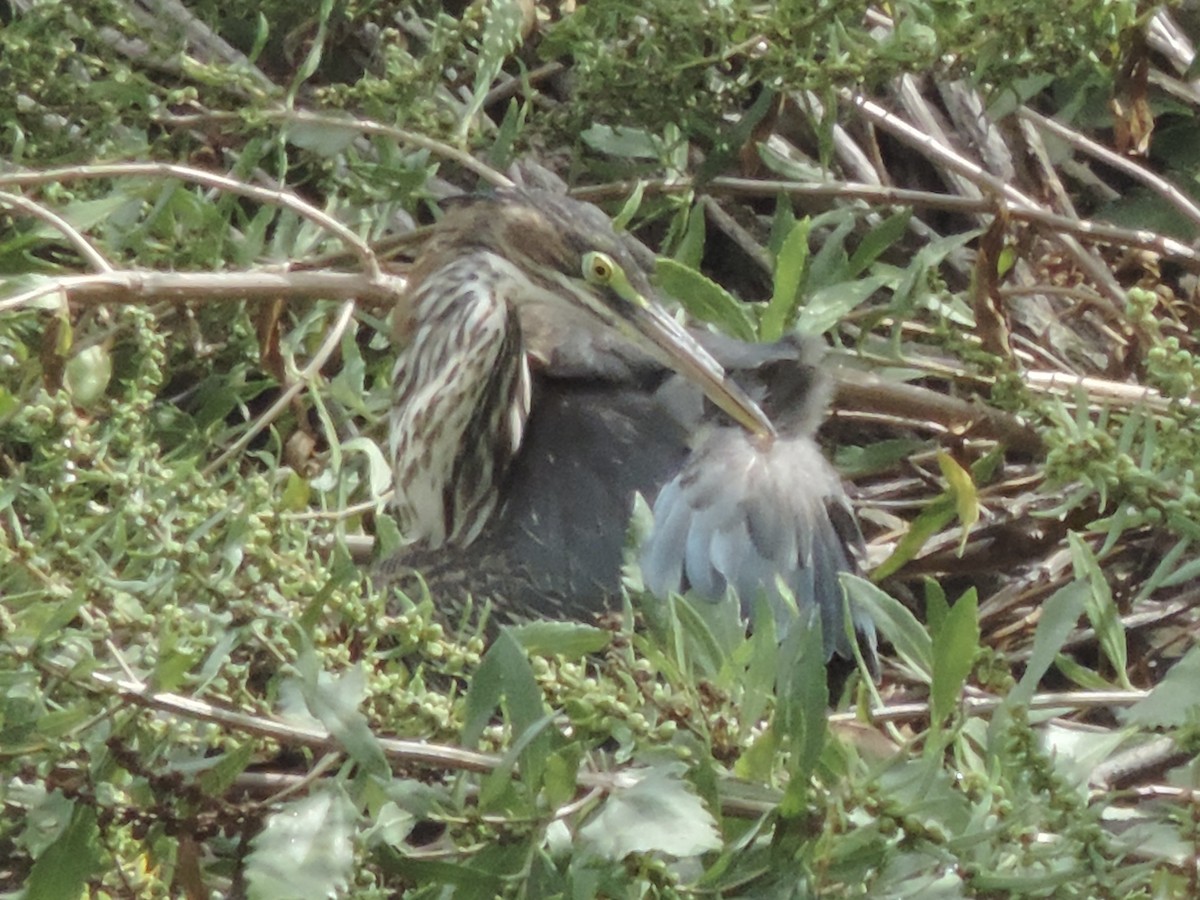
[539, 387]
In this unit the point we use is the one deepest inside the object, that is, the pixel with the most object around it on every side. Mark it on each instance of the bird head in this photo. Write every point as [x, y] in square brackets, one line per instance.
[564, 254]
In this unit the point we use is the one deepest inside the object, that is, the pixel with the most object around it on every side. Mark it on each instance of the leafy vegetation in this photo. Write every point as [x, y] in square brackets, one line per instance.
[202, 694]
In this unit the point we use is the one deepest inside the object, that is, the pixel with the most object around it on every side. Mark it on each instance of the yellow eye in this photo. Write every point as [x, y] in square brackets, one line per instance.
[598, 268]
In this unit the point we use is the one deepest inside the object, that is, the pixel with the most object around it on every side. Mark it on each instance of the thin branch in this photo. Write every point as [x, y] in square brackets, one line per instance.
[1160, 186]
[1104, 391]
[362, 126]
[965, 168]
[1084, 229]
[285, 398]
[81, 244]
[273, 196]
[139, 286]
[865, 391]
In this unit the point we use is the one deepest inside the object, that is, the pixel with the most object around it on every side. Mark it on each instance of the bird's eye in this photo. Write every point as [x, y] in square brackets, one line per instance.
[598, 268]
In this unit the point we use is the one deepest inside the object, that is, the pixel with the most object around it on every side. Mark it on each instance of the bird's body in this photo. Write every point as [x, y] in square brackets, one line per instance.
[531, 407]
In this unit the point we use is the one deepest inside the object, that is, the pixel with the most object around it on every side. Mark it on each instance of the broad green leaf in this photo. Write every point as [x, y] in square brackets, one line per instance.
[305, 850]
[571, 640]
[1101, 609]
[879, 239]
[828, 305]
[335, 702]
[962, 489]
[831, 262]
[762, 665]
[803, 698]
[63, 868]
[622, 141]
[658, 813]
[296, 492]
[221, 776]
[789, 276]
[782, 223]
[458, 880]
[48, 815]
[757, 762]
[532, 747]
[894, 622]
[505, 677]
[1059, 614]
[704, 298]
[936, 606]
[690, 252]
[1174, 702]
[787, 167]
[936, 516]
[560, 781]
[876, 457]
[53, 725]
[326, 138]
[955, 648]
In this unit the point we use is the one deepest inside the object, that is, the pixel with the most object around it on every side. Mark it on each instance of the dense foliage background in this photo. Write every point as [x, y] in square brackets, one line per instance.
[989, 210]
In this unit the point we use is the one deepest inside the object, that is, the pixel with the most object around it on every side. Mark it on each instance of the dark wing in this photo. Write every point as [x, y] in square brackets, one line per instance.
[555, 546]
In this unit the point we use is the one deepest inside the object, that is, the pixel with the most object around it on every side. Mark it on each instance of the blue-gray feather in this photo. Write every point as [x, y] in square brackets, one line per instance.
[756, 520]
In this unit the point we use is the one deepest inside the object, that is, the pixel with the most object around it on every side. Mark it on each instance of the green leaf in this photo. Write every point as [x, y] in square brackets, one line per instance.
[312, 59]
[936, 607]
[571, 640]
[64, 867]
[659, 813]
[296, 492]
[763, 652]
[1174, 702]
[955, 649]
[1101, 609]
[379, 470]
[621, 141]
[704, 298]
[334, 701]
[327, 139]
[730, 140]
[501, 35]
[560, 782]
[757, 762]
[828, 305]
[47, 818]
[962, 489]
[467, 881]
[500, 156]
[879, 239]
[306, 849]
[789, 275]
[1059, 614]
[221, 776]
[690, 251]
[936, 515]
[505, 676]
[630, 207]
[894, 622]
[803, 696]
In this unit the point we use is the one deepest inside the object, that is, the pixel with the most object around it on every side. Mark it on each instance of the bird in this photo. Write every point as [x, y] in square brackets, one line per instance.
[539, 387]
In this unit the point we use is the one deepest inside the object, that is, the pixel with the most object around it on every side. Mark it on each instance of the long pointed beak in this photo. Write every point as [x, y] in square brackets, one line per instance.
[680, 351]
